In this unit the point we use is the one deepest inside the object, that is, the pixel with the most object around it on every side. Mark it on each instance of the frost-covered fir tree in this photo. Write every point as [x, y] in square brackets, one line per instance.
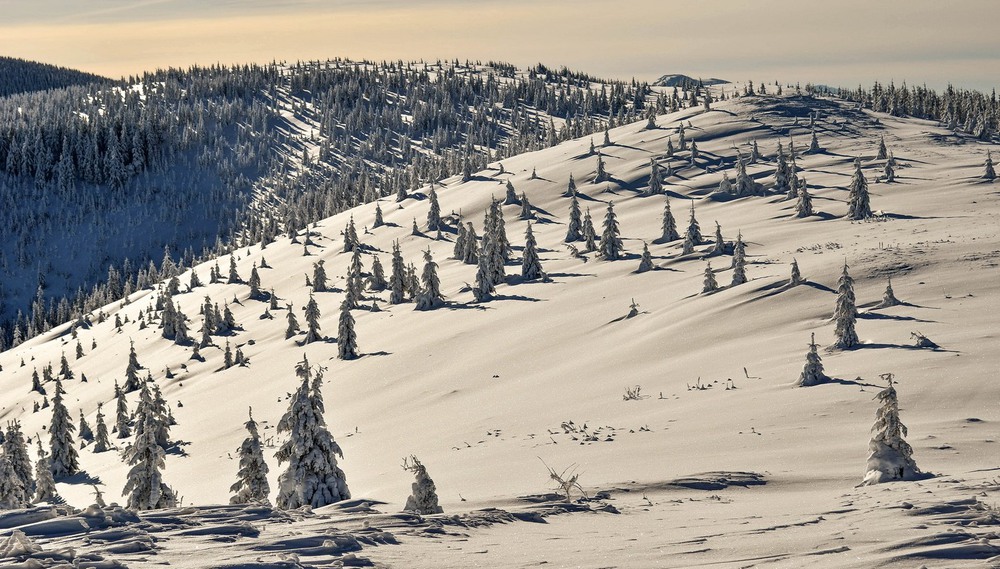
[13, 494]
[990, 173]
[251, 485]
[121, 414]
[694, 230]
[470, 256]
[813, 144]
[889, 298]
[86, 433]
[430, 296]
[781, 172]
[602, 175]
[745, 186]
[131, 371]
[483, 289]
[796, 277]
[458, 251]
[858, 204]
[812, 372]
[397, 282]
[312, 314]
[804, 207]
[883, 152]
[611, 242]
[15, 451]
[646, 261]
[144, 487]
[319, 277]
[312, 477]
[101, 441]
[726, 184]
[891, 456]
[846, 313]
[526, 212]
[531, 264]
[45, 485]
[655, 184]
[589, 233]
[433, 210]
[350, 236]
[739, 261]
[64, 461]
[379, 222]
[347, 339]
[423, 496]
[720, 246]
[234, 276]
[511, 196]
[571, 186]
[574, 226]
[254, 283]
[669, 225]
[352, 284]
[293, 323]
[710, 284]
[376, 281]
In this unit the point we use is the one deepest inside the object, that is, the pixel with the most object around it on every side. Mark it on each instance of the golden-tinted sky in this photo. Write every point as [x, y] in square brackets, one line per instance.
[835, 42]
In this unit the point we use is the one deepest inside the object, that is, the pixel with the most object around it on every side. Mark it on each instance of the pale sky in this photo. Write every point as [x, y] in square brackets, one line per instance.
[835, 42]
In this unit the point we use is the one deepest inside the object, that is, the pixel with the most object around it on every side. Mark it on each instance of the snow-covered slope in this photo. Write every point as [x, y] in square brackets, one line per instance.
[480, 392]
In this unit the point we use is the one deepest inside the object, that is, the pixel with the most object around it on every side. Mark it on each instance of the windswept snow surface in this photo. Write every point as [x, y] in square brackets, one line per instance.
[482, 392]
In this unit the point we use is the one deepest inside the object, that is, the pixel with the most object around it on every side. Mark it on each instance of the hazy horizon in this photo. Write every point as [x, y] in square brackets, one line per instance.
[853, 43]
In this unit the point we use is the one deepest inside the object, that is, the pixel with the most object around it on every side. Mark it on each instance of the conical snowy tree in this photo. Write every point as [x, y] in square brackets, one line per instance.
[293, 323]
[433, 210]
[423, 497]
[655, 184]
[813, 144]
[101, 442]
[15, 451]
[891, 456]
[122, 414]
[64, 456]
[131, 371]
[86, 433]
[319, 277]
[796, 277]
[812, 373]
[234, 276]
[739, 261]
[646, 261]
[144, 487]
[574, 226]
[312, 320]
[312, 477]
[611, 242]
[883, 152]
[13, 494]
[430, 296]
[804, 207]
[745, 186]
[889, 298]
[511, 196]
[397, 282]
[483, 289]
[526, 212]
[602, 175]
[846, 313]
[694, 230]
[347, 339]
[458, 252]
[379, 222]
[571, 186]
[45, 485]
[858, 205]
[589, 233]
[720, 245]
[470, 256]
[376, 281]
[710, 284]
[254, 283]
[669, 224]
[990, 173]
[531, 265]
[251, 485]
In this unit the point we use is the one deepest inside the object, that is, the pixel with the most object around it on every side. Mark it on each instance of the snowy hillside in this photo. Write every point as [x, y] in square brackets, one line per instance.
[683, 419]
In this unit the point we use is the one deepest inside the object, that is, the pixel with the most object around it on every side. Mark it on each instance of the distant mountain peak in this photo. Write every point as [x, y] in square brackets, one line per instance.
[679, 80]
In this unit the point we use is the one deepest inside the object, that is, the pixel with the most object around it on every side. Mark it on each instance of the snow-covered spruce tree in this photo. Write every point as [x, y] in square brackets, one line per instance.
[101, 441]
[470, 256]
[254, 283]
[494, 245]
[781, 172]
[376, 281]
[234, 276]
[121, 414]
[86, 433]
[655, 184]
[720, 245]
[891, 456]
[694, 230]
[45, 485]
[804, 207]
[350, 236]
[574, 226]
[64, 370]
[352, 286]
[531, 264]
[319, 277]
[694, 152]
[611, 242]
[571, 186]
[312, 320]
[754, 152]
[796, 277]
[646, 261]
[251, 485]
[812, 372]
[990, 173]
[13, 494]
[681, 137]
[131, 371]
[883, 152]
[858, 204]
[602, 175]
[397, 282]
[889, 298]
[312, 477]
[433, 210]
[430, 296]
[64, 456]
[739, 261]
[483, 289]
[745, 186]
[670, 147]
[144, 487]
[458, 252]
[15, 451]
[526, 212]
[589, 233]
[499, 230]
[511, 196]
[347, 339]
[669, 224]
[813, 144]
[293, 323]
[846, 313]
[379, 222]
[423, 494]
[710, 284]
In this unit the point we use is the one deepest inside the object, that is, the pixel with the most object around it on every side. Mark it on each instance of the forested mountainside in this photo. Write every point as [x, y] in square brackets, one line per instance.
[98, 181]
[22, 76]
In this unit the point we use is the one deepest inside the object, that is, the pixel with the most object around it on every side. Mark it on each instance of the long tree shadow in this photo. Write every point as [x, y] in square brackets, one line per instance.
[82, 477]
[818, 286]
[879, 316]
[854, 382]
